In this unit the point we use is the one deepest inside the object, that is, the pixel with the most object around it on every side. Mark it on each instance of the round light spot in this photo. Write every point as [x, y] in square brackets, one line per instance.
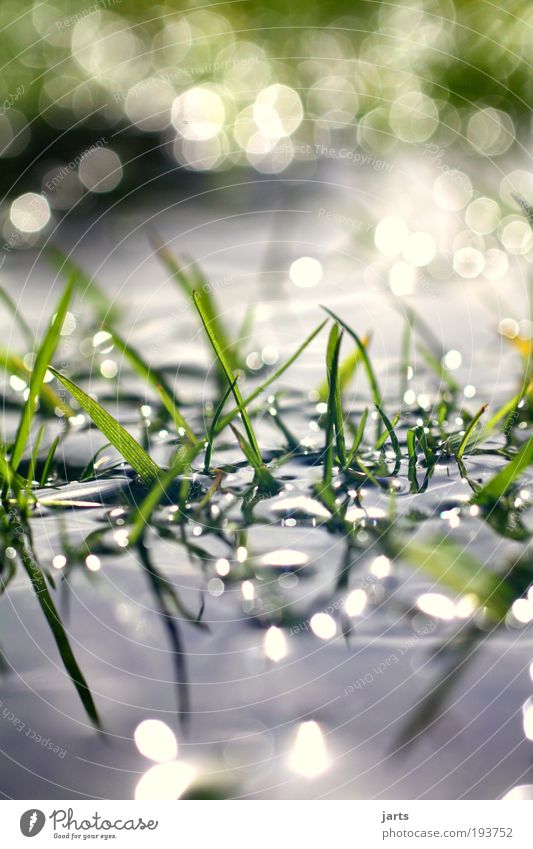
[100, 170]
[483, 215]
[306, 272]
[30, 212]
[278, 111]
[496, 264]
[355, 602]
[391, 235]
[402, 278]
[323, 625]
[93, 563]
[198, 114]
[452, 360]
[109, 369]
[436, 605]
[468, 262]
[452, 190]
[275, 644]
[309, 756]
[420, 249]
[155, 740]
[165, 781]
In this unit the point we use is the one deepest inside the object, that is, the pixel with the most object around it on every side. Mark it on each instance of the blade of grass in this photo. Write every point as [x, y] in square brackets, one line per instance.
[257, 461]
[469, 431]
[334, 412]
[123, 441]
[59, 634]
[189, 282]
[358, 438]
[498, 485]
[180, 465]
[372, 379]
[44, 356]
[347, 369]
[210, 438]
[48, 462]
[49, 398]
[391, 432]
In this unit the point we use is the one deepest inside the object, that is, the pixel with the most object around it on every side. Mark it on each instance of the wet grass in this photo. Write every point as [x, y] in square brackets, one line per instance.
[387, 447]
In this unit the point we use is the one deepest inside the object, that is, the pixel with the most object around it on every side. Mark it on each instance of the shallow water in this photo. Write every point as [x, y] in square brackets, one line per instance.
[362, 687]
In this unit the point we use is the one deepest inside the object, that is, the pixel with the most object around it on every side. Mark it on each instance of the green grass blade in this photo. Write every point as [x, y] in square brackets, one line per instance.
[44, 356]
[189, 282]
[231, 379]
[358, 438]
[271, 378]
[334, 412]
[49, 398]
[389, 426]
[48, 462]
[498, 485]
[123, 441]
[24, 328]
[347, 369]
[245, 447]
[58, 632]
[210, 438]
[469, 431]
[371, 375]
[451, 565]
[181, 464]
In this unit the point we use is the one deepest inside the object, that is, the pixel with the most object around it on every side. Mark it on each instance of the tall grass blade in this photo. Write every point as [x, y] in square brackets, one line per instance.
[469, 431]
[118, 436]
[58, 632]
[230, 377]
[371, 375]
[498, 485]
[44, 356]
[334, 412]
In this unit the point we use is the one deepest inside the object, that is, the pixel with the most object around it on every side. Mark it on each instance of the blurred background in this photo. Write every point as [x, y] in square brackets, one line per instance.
[99, 97]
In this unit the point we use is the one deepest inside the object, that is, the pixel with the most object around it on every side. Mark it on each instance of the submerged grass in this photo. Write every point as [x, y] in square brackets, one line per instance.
[420, 442]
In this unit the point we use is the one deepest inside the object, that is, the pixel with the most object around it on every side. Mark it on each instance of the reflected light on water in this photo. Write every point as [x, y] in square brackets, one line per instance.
[381, 567]
[527, 718]
[165, 781]
[155, 740]
[522, 610]
[391, 235]
[355, 602]
[519, 793]
[275, 644]
[436, 605]
[284, 557]
[402, 278]
[323, 626]
[309, 756]
[306, 272]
